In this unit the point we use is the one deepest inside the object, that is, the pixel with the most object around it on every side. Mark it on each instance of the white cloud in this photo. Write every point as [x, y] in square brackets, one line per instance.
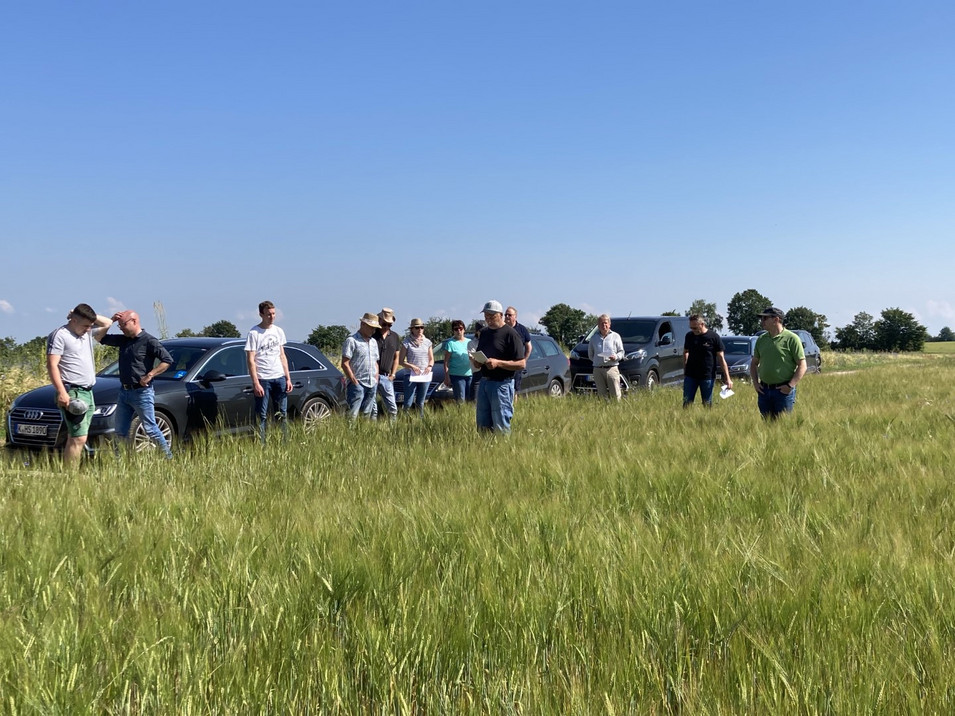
[6, 306]
[115, 305]
[941, 308]
[48, 310]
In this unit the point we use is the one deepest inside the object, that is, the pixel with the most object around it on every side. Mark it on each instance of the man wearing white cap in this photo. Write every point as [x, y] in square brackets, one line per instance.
[503, 353]
[360, 366]
[72, 370]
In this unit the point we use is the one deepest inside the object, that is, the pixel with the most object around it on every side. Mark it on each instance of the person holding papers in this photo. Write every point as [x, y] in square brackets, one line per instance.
[418, 357]
[606, 352]
[500, 352]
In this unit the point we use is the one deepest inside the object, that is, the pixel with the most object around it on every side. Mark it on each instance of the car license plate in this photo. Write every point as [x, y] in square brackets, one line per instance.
[38, 430]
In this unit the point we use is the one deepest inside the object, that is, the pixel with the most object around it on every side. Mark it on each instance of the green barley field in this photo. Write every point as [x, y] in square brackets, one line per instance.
[632, 558]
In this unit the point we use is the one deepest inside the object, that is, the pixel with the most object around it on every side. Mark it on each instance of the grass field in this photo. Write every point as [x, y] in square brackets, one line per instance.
[945, 347]
[626, 558]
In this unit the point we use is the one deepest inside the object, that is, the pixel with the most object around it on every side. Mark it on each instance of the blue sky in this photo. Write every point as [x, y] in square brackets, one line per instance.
[340, 157]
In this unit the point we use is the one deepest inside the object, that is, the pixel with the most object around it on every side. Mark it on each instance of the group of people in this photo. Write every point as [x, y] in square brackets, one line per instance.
[778, 363]
[372, 356]
[72, 372]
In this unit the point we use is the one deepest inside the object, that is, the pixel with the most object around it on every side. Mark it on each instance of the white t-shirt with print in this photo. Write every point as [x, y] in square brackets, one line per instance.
[267, 344]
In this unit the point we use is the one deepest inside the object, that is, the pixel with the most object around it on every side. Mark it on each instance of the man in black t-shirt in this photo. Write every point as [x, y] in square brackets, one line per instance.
[702, 348]
[504, 351]
[388, 346]
[510, 318]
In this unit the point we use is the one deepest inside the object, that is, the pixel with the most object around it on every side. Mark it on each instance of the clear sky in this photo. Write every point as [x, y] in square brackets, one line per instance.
[337, 157]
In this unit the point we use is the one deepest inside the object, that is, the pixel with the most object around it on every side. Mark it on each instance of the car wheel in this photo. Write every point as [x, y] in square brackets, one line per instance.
[141, 440]
[652, 380]
[315, 411]
[555, 389]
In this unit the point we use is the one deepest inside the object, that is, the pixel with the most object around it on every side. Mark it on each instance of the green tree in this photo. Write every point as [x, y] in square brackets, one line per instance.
[708, 311]
[437, 329]
[858, 335]
[221, 329]
[671, 312]
[187, 333]
[897, 330]
[565, 324]
[808, 320]
[946, 334]
[328, 339]
[743, 311]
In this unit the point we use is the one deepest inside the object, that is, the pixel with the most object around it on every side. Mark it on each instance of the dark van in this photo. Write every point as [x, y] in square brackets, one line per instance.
[654, 352]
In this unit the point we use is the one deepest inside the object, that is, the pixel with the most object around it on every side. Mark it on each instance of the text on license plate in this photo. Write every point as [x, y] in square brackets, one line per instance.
[31, 430]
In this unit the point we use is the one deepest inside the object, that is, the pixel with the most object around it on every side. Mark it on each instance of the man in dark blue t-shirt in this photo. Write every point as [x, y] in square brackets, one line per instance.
[504, 354]
[141, 358]
[510, 318]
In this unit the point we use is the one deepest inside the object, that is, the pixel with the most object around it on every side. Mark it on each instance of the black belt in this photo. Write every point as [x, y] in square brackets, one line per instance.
[132, 386]
[613, 365]
[70, 386]
[774, 385]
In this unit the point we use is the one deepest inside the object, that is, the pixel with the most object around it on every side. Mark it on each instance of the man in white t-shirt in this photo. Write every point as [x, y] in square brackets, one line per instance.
[72, 370]
[268, 367]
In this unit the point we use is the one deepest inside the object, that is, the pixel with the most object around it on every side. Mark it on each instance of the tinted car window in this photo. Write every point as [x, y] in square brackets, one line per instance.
[183, 359]
[737, 348]
[544, 348]
[631, 331]
[300, 360]
[230, 361]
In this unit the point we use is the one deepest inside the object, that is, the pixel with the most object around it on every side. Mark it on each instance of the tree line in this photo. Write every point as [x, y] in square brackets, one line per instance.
[895, 330]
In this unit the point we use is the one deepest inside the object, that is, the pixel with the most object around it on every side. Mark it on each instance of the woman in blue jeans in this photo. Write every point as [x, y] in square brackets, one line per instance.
[417, 356]
[457, 364]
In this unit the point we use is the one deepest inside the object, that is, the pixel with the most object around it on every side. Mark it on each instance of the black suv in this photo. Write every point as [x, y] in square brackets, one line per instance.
[654, 352]
[207, 386]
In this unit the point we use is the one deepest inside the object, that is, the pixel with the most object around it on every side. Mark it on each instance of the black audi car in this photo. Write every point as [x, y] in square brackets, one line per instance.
[208, 386]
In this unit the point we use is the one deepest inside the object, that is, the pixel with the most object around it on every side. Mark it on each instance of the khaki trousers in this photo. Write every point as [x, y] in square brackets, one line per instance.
[607, 381]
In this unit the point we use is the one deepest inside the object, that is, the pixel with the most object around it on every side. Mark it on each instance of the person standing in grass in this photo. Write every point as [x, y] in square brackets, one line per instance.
[72, 371]
[510, 318]
[503, 354]
[268, 366]
[388, 346]
[702, 352]
[360, 366]
[418, 357]
[606, 351]
[779, 363]
[141, 358]
[457, 365]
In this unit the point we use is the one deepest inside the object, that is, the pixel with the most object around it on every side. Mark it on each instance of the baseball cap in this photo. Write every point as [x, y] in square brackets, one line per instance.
[493, 307]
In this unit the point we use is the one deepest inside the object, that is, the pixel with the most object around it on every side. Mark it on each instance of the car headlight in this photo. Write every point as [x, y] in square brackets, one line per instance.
[104, 411]
[636, 355]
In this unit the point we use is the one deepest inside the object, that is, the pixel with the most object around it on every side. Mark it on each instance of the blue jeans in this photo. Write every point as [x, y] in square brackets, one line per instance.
[415, 393]
[689, 390]
[386, 389]
[773, 402]
[461, 386]
[276, 395]
[495, 405]
[142, 402]
[361, 398]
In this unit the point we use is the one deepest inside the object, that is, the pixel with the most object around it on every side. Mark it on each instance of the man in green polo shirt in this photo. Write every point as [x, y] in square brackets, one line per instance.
[779, 363]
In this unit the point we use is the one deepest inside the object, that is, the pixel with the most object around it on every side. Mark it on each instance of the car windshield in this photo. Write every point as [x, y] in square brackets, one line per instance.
[737, 347]
[183, 359]
[631, 330]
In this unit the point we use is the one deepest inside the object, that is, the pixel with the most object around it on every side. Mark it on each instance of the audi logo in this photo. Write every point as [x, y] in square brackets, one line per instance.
[33, 414]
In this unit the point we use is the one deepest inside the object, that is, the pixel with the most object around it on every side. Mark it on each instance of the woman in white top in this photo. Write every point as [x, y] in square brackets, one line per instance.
[417, 356]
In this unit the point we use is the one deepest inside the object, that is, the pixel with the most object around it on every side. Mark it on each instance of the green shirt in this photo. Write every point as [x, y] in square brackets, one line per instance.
[778, 357]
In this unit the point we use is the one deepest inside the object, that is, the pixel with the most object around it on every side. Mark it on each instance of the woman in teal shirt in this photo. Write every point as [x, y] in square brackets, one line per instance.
[457, 365]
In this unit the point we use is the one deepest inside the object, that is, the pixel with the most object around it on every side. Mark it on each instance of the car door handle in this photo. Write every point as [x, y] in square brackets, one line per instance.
[297, 385]
[250, 389]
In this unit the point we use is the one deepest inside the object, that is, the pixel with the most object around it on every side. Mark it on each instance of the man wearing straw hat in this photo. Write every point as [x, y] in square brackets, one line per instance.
[360, 366]
[388, 347]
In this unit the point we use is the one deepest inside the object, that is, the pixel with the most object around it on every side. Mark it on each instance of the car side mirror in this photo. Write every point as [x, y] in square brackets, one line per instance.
[213, 376]
[666, 340]
[580, 338]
